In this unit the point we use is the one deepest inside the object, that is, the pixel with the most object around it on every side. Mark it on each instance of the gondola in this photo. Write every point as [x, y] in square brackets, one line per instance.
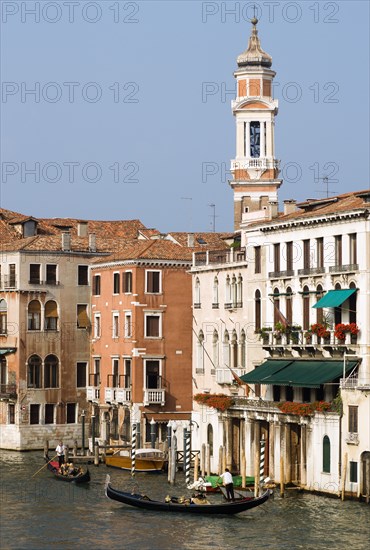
[188, 507]
[53, 467]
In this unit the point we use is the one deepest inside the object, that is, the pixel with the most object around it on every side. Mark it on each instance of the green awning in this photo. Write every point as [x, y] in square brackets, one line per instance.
[299, 373]
[334, 298]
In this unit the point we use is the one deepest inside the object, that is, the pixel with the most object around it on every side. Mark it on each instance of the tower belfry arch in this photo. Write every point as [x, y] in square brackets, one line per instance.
[255, 169]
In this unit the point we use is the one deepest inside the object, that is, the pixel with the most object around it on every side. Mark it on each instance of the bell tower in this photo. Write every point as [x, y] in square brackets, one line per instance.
[255, 169]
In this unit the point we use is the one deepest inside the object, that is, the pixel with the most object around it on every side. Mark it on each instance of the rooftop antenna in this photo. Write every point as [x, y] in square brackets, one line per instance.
[213, 215]
[190, 212]
[325, 179]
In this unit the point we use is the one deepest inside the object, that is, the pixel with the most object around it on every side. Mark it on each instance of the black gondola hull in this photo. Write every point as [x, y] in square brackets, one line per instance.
[53, 468]
[143, 502]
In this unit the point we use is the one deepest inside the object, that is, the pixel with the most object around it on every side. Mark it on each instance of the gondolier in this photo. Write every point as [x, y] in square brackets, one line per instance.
[60, 450]
[227, 480]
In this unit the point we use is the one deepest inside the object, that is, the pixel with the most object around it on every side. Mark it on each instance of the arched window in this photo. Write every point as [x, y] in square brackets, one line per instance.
[215, 349]
[226, 350]
[242, 349]
[51, 315]
[215, 293]
[51, 368]
[234, 350]
[319, 310]
[34, 315]
[34, 372]
[306, 307]
[289, 306]
[200, 352]
[276, 299]
[326, 455]
[210, 439]
[3, 316]
[257, 310]
[228, 291]
[233, 291]
[197, 292]
[239, 291]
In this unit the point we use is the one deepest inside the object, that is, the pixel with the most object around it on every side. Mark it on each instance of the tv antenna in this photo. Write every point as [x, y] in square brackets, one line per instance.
[325, 180]
[213, 215]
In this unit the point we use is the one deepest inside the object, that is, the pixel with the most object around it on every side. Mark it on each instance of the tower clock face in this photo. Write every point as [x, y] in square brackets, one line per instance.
[255, 134]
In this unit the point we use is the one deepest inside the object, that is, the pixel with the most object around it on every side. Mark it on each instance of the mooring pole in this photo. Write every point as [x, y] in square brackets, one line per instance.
[187, 455]
[93, 432]
[152, 432]
[83, 432]
[133, 449]
[262, 461]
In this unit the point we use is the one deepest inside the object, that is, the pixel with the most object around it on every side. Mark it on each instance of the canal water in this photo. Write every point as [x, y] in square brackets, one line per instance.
[41, 512]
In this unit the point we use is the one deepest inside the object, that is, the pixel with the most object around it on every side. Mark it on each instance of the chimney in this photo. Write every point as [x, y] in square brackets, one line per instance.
[290, 206]
[66, 242]
[273, 209]
[82, 229]
[92, 242]
[190, 240]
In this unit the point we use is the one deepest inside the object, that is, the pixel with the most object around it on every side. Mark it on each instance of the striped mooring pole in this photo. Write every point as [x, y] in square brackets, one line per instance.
[262, 461]
[187, 441]
[133, 450]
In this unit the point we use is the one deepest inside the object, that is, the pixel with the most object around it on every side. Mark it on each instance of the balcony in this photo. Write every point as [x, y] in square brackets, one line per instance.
[8, 391]
[355, 383]
[303, 338]
[224, 376]
[352, 438]
[215, 305]
[256, 164]
[311, 271]
[8, 282]
[349, 268]
[154, 397]
[92, 393]
[123, 396]
[219, 257]
[281, 274]
[197, 305]
[109, 395]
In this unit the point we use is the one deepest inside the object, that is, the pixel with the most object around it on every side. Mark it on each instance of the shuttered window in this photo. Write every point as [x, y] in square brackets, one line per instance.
[153, 281]
[82, 317]
[352, 419]
[152, 328]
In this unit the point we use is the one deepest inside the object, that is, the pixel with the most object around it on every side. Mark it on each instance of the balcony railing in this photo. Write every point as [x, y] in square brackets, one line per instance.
[92, 393]
[224, 376]
[311, 271]
[256, 163]
[303, 338]
[154, 397]
[355, 383]
[8, 391]
[197, 305]
[215, 305]
[281, 274]
[8, 282]
[349, 268]
[110, 395]
[123, 395]
[219, 257]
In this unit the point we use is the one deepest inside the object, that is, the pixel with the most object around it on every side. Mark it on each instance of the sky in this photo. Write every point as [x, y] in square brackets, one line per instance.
[122, 109]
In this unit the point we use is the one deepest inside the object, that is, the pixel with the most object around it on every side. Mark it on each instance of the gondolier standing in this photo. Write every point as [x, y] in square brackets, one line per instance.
[227, 480]
[60, 450]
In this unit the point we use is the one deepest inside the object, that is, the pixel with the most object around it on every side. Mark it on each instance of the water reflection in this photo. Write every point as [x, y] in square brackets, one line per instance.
[41, 512]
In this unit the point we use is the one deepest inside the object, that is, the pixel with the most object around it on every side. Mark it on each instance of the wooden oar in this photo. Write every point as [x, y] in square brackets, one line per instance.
[44, 465]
